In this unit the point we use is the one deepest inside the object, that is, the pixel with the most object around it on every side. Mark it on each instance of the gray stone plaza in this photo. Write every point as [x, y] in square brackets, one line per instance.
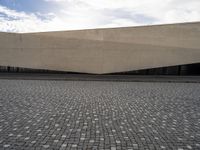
[39, 114]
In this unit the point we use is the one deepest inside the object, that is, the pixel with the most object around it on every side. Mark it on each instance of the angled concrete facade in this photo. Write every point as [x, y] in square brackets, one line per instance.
[103, 50]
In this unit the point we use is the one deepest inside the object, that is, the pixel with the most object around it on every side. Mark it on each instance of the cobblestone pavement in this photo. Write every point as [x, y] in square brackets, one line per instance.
[99, 115]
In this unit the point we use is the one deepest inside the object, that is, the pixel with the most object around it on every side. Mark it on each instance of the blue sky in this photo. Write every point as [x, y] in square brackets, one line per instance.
[26, 5]
[51, 15]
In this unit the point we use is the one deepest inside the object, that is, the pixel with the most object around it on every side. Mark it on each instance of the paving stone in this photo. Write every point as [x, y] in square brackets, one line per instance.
[99, 115]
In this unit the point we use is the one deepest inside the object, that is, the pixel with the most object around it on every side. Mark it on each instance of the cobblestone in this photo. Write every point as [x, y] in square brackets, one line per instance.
[99, 115]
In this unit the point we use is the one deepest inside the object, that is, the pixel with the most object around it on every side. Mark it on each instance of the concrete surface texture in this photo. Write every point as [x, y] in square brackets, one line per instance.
[103, 50]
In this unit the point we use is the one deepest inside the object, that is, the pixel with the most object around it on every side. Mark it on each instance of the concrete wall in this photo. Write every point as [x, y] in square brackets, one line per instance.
[103, 50]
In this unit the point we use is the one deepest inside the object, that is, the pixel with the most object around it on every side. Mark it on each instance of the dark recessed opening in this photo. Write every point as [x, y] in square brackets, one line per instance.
[189, 69]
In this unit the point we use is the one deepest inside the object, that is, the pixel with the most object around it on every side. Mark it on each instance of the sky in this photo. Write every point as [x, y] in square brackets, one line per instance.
[54, 15]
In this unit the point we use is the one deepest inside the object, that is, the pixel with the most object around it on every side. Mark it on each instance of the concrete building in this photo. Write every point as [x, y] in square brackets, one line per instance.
[101, 51]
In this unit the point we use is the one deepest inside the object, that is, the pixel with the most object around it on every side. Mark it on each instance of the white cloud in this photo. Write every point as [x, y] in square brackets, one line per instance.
[55, 0]
[82, 14]
[13, 21]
